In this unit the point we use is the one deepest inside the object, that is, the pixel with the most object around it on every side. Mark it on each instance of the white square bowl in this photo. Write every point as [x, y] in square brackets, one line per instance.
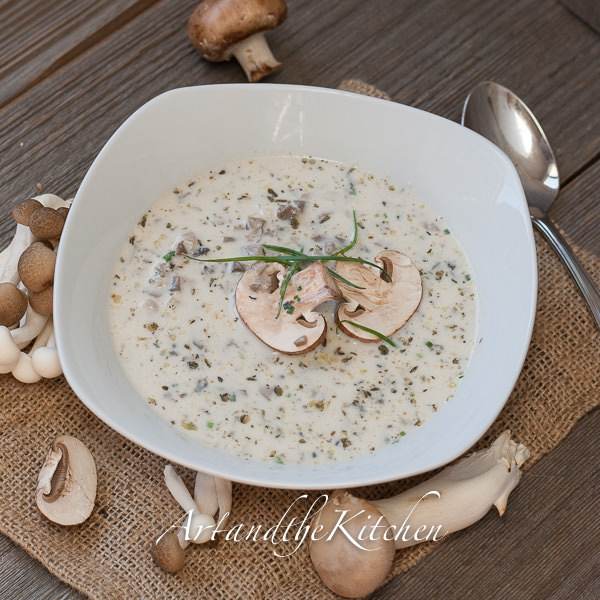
[458, 174]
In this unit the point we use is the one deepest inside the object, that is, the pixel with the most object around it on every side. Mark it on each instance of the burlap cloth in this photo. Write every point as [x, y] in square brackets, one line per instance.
[108, 556]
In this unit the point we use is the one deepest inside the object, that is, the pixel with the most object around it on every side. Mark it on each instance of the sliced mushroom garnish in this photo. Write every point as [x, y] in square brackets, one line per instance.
[297, 329]
[385, 303]
[66, 488]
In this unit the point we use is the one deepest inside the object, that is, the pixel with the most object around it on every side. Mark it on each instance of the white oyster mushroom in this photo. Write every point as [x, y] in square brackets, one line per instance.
[455, 498]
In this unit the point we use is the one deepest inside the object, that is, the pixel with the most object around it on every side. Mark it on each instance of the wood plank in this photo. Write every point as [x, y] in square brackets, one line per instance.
[52, 135]
[425, 54]
[38, 37]
[26, 579]
[535, 550]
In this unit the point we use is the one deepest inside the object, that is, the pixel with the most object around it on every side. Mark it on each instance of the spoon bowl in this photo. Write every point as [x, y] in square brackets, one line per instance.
[502, 117]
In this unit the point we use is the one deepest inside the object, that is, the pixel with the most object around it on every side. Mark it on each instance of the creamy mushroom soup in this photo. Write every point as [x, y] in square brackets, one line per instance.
[182, 344]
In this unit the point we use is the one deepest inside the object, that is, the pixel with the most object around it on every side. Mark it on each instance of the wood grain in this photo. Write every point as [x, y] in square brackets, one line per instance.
[71, 72]
[38, 37]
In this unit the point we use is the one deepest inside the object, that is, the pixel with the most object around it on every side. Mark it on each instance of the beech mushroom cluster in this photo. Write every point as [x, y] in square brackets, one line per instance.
[66, 488]
[353, 540]
[210, 506]
[220, 29]
[26, 288]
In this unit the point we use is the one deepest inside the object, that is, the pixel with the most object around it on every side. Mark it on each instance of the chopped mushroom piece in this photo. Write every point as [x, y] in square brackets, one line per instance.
[297, 329]
[220, 29]
[66, 488]
[385, 303]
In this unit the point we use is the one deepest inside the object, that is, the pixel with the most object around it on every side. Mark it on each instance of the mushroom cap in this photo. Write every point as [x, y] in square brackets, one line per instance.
[36, 266]
[168, 553]
[297, 329]
[66, 488]
[24, 370]
[41, 301]
[45, 362]
[382, 306]
[63, 210]
[23, 211]
[46, 223]
[345, 568]
[216, 25]
[13, 304]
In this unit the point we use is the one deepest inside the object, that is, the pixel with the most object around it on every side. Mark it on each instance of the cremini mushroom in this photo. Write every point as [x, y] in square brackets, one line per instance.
[211, 505]
[290, 326]
[385, 303]
[13, 304]
[66, 489]
[36, 266]
[220, 29]
[353, 540]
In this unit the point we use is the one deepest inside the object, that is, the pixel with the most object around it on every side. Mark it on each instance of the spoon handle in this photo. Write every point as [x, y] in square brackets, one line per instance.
[585, 283]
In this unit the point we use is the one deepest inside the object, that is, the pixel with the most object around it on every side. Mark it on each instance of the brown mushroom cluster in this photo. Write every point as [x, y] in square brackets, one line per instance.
[220, 29]
[26, 289]
[371, 301]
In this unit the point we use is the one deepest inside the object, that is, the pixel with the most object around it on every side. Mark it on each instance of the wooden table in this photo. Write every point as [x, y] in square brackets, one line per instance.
[71, 72]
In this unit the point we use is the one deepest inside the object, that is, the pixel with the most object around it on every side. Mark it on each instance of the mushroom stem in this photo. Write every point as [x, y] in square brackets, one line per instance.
[30, 329]
[467, 490]
[44, 357]
[21, 240]
[9, 351]
[255, 57]
[198, 525]
[353, 558]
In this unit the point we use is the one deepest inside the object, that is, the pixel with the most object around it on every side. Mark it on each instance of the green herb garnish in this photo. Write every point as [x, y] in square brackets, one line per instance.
[382, 337]
[169, 256]
[296, 260]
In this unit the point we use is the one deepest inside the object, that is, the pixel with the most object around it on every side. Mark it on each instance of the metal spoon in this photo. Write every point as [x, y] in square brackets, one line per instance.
[499, 115]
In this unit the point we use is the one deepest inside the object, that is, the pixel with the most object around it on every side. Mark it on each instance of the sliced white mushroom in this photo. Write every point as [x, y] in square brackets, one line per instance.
[382, 303]
[66, 489]
[290, 325]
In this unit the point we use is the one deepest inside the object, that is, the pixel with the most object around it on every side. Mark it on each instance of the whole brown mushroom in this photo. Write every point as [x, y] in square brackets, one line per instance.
[41, 301]
[36, 266]
[13, 304]
[220, 29]
[23, 211]
[46, 223]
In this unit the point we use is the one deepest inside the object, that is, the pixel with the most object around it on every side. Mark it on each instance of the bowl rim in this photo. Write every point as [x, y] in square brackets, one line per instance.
[272, 478]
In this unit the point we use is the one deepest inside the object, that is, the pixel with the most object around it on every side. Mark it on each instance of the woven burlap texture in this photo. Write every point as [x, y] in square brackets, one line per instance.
[108, 556]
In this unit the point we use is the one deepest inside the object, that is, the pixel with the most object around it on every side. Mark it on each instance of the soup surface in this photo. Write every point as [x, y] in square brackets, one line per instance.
[185, 349]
